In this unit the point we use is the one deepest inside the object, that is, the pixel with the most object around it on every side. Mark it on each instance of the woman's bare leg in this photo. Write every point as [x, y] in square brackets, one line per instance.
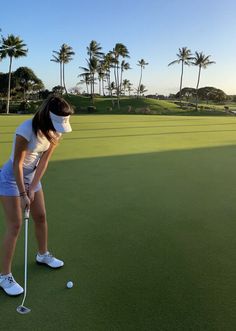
[13, 215]
[38, 213]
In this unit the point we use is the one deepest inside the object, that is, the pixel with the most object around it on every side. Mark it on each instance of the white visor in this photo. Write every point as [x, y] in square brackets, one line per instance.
[60, 123]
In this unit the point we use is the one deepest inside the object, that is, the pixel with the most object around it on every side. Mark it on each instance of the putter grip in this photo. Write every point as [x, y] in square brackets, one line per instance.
[27, 212]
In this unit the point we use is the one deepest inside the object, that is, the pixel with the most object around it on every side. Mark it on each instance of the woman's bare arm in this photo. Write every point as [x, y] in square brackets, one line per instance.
[42, 166]
[19, 155]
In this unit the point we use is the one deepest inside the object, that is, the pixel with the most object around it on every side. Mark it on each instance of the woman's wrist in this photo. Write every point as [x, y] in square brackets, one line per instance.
[23, 193]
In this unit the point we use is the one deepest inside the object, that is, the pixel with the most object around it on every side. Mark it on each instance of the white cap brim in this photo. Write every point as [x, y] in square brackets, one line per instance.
[60, 123]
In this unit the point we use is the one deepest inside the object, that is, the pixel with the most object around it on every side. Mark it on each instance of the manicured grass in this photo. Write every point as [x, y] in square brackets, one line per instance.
[142, 209]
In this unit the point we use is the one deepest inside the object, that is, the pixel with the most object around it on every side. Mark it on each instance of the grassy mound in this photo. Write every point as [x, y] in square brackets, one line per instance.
[132, 105]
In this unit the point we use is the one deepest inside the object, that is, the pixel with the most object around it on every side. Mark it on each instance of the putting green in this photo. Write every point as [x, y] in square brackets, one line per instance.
[142, 210]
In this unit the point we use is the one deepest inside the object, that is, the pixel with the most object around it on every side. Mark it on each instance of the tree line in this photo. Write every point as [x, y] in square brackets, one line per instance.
[199, 59]
[207, 93]
[105, 67]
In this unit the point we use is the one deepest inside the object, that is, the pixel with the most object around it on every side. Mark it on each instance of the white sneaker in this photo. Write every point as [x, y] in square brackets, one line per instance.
[49, 260]
[9, 285]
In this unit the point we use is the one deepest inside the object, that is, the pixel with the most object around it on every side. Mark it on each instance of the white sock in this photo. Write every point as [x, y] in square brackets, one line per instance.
[43, 254]
[7, 275]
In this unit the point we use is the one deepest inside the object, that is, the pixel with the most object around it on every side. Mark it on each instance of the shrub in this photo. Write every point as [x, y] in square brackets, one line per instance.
[3, 107]
[91, 109]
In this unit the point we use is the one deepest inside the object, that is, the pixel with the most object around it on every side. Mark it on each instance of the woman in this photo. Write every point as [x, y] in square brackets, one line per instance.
[20, 186]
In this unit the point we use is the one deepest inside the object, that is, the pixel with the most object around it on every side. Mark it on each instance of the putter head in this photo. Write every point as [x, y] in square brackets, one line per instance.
[23, 310]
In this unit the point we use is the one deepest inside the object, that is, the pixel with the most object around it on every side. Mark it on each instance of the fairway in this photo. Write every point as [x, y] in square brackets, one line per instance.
[142, 210]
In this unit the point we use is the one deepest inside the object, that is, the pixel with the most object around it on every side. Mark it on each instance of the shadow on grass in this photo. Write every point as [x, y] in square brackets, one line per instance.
[148, 239]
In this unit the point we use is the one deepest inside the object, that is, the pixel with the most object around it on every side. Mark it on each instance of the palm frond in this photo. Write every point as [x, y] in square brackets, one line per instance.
[173, 62]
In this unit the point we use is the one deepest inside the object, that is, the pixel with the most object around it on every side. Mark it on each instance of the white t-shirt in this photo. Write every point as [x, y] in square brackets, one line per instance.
[36, 144]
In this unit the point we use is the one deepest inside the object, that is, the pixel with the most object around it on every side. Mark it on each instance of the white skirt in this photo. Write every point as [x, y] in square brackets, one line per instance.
[8, 186]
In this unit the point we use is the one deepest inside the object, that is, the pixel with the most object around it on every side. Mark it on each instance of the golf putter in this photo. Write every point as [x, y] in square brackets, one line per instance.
[22, 309]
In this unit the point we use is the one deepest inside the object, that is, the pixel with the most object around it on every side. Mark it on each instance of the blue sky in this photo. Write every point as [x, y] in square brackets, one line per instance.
[151, 29]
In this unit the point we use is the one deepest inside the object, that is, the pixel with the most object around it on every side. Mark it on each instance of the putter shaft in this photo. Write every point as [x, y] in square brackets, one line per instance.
[22, 309]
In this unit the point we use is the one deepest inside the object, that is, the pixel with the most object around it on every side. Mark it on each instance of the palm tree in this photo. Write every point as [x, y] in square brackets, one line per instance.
[119, 50]
[57, 58]
[125, 84]
[142, 65]
[108, 64]
[141, 90]
[1, 46]
[202, 61]
[184, 57]
[0, 49]
[13, 47]
[94, 50]
[65, 55]
[112, 87]
[101, 76]
[85, 80]
[129, 88]
[95, 54]
[123, 66]
[91, 70]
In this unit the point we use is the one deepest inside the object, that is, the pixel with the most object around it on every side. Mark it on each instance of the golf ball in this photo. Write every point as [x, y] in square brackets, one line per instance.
[69, 284]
